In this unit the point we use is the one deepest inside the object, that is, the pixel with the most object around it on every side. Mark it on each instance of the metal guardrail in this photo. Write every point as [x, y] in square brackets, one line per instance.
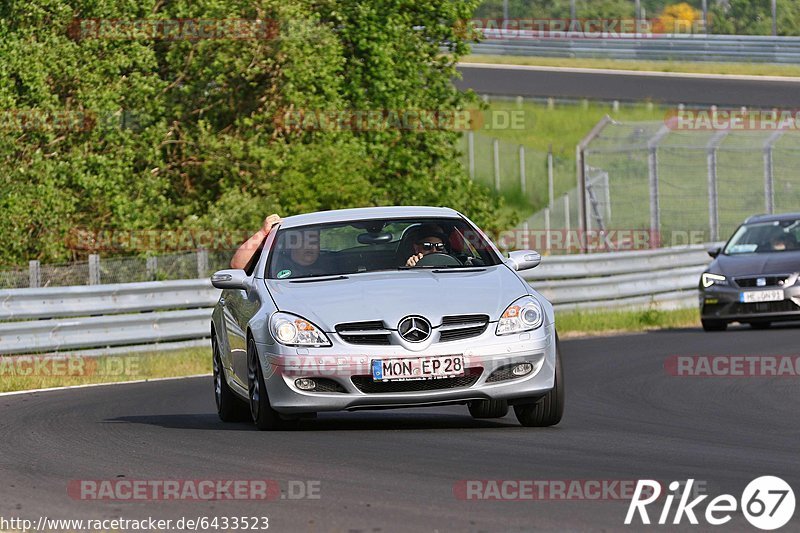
[57, 319]
[666, 278]
[677, 47]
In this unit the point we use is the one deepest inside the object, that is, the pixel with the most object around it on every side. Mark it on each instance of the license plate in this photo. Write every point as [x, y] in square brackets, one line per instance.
[761, 296]
[418, 368]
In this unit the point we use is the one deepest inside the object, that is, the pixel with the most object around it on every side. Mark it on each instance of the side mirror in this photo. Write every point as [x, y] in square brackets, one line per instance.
[714, 252]
[229, 279]
[523, 259]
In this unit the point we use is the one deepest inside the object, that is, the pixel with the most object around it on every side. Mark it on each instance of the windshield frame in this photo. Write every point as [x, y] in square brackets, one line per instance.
[465, 224]
[740, 231]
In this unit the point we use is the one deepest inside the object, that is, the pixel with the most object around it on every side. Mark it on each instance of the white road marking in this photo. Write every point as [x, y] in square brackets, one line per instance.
[13, 393]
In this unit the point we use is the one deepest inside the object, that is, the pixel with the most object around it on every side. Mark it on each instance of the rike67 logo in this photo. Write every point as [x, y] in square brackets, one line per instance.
[767, 503]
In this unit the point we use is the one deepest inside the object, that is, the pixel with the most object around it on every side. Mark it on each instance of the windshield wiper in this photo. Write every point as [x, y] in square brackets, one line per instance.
[317, 277]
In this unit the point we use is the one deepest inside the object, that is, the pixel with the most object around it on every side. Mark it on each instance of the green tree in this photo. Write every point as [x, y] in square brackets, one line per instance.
[187, 133]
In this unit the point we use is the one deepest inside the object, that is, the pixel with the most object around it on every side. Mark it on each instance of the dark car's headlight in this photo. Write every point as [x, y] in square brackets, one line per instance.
[524, 314]
[708, 279]
[292, 330]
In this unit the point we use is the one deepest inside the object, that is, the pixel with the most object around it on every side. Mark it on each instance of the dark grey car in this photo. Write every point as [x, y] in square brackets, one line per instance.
[754, 277]
[331, 317]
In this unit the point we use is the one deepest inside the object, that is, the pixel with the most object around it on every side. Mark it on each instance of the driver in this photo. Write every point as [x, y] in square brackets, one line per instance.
[429, 239]
[780, 243]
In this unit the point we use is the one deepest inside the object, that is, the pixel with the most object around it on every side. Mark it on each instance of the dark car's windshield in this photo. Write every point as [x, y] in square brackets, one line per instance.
[765, 237]
[376, 244]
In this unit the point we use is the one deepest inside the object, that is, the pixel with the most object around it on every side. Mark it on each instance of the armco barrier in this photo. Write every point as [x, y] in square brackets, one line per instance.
[57, 319]
[675, 47]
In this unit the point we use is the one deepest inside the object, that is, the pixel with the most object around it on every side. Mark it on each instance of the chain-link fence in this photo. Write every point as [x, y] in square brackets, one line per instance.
[681, 187]
[523, 175]
[99, 270]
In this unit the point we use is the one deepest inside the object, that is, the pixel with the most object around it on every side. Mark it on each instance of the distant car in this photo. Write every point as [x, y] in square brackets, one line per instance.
[329, 316]
[754, 277]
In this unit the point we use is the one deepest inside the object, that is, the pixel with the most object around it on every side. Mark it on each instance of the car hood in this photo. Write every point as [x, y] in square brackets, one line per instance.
[755, 264]
[391, 296]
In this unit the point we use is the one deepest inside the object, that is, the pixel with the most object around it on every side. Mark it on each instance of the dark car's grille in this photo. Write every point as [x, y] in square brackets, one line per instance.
[769, 281]
[368, 333]
[460, 327]
[366, 385]
[785, 306]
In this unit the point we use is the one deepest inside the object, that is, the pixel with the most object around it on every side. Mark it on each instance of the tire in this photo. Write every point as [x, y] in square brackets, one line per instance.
[760, 325]
[714, 325]
[261, 412]
[230, 407]
[488, 408]
[549, 409]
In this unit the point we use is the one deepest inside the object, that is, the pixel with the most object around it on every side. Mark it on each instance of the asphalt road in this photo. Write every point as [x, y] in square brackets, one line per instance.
[702, 90]
[626, 419]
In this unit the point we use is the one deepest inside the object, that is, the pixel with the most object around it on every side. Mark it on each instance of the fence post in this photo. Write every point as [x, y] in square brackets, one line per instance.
[713, 195]
[471, 153]
[550, 181]
[547, 229]
[580, 163]
[496, 159]
[152, 267]
[94, 269]
[769, 171]
[202, 263]
[652, 171]
[34, 274]
[522, 178]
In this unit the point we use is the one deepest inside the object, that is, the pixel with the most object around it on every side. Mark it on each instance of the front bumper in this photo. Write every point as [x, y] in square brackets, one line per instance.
[347, 368]
[724, 303]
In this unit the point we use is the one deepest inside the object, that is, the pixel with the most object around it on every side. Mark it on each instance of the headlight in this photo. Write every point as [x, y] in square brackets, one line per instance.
[709, 279]
[292, 330]
[523, 315]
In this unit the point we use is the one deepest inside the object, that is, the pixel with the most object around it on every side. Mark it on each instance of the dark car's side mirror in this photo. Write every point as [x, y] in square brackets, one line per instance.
[229, 279]
[714, 251]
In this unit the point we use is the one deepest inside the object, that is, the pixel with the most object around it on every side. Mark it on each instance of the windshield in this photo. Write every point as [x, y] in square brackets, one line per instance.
[372, 245]
[765, 237]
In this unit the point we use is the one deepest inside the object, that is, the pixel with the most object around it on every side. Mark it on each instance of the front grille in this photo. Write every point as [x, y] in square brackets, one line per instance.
[770, 281]
[366, 384]
[372, 333]
[784, 306]
[502, 374]
[327, 385]
[460, 327]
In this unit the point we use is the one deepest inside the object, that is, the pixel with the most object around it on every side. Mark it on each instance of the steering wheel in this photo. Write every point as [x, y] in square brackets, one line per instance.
[438, 259]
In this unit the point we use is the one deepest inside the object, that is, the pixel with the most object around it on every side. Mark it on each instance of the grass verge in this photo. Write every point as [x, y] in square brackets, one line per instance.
[581, 323]
[41, 372]
[742, 69]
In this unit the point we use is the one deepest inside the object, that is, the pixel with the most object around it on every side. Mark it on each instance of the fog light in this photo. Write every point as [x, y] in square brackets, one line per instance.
[522, 369]
[305, 384]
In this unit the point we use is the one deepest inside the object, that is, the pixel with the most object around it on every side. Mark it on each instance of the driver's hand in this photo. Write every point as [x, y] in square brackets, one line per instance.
[271, 221]
[414, 259]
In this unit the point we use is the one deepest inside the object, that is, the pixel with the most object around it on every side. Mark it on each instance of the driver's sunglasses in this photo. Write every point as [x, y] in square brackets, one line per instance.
[428, 246]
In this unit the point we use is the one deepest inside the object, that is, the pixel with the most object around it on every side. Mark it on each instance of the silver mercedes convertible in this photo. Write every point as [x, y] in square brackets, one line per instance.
[378, 308]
